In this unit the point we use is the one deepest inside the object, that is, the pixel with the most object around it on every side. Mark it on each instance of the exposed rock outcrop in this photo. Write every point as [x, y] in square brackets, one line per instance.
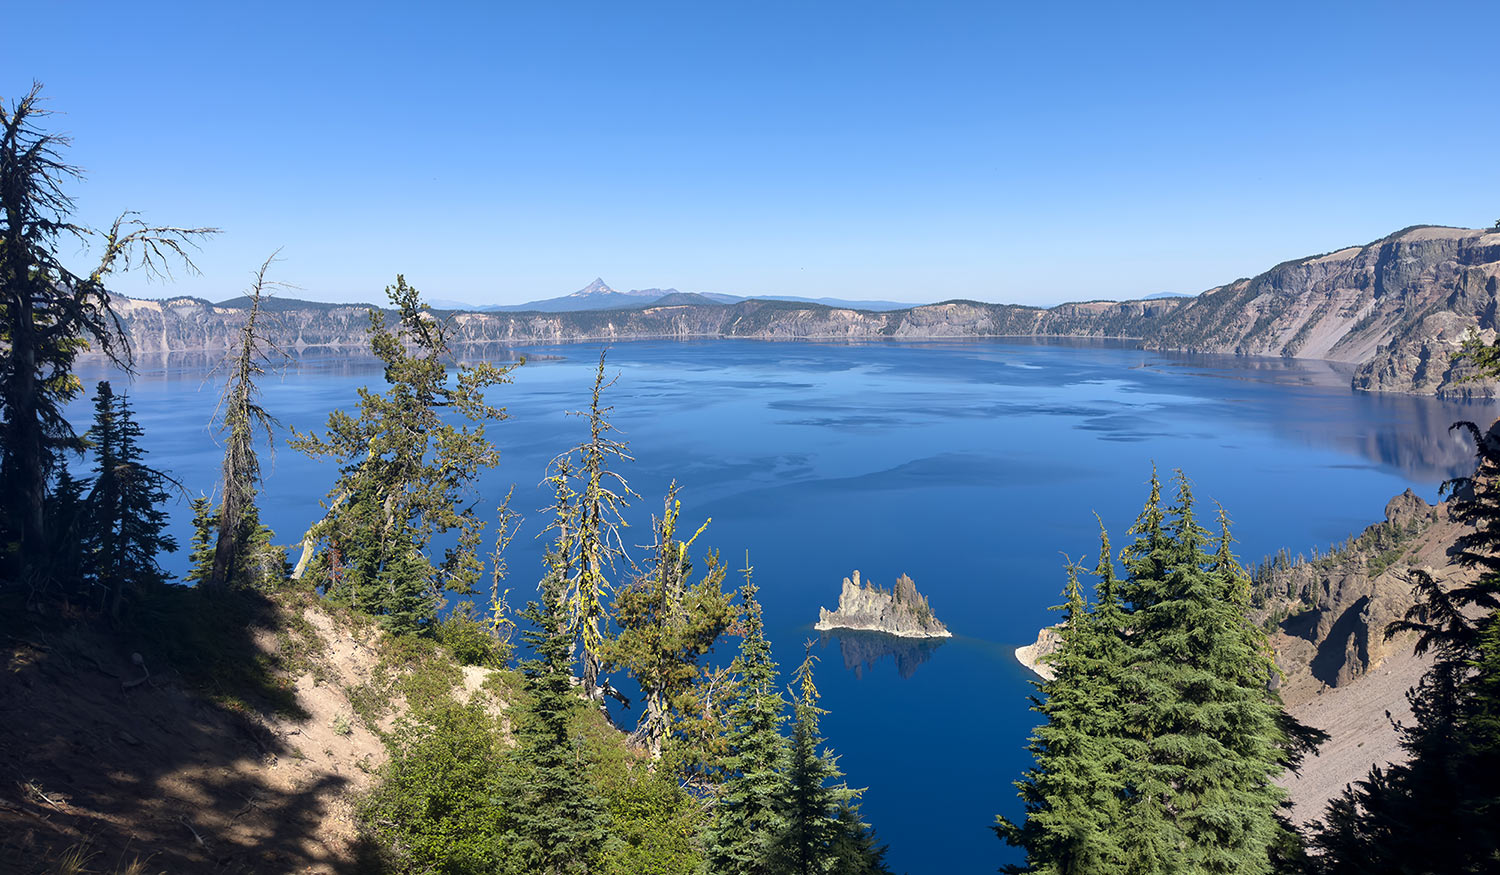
[1034, 655]
[898, 611]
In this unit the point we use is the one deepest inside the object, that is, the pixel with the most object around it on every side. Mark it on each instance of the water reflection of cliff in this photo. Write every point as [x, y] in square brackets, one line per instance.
[1404, 433]
[312, 360]
[862, 650]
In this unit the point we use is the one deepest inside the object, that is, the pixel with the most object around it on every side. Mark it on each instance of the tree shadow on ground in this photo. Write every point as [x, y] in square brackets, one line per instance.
[154, 741]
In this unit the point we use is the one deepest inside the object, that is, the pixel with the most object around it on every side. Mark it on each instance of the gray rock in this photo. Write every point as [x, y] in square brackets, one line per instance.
[899, 611]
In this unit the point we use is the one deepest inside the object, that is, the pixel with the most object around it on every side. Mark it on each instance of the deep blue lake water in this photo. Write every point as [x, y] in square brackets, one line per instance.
[971, 466]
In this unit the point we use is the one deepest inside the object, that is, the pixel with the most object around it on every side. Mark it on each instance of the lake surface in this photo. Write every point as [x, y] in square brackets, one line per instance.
[971, 466]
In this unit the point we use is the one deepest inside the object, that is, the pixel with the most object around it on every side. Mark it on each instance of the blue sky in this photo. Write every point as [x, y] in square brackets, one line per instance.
[915, 151]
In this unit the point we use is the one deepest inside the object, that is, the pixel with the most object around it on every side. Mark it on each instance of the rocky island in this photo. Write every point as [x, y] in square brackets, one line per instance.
[898, 611]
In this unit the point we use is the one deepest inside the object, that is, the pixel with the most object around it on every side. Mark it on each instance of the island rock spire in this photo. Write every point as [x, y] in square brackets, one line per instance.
[899, 611]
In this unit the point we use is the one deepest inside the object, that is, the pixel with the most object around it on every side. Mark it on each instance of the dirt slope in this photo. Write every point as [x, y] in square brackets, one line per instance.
[186, 778]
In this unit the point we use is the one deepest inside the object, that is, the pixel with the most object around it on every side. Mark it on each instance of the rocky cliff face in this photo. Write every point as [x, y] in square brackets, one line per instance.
[1328, 614]
[1398, 308]
[898, 611]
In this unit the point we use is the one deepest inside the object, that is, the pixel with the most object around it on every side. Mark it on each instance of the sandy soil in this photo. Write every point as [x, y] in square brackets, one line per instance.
[156, 771]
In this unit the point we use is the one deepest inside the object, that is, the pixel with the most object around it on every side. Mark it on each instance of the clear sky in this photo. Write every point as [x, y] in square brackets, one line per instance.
[1029, 152]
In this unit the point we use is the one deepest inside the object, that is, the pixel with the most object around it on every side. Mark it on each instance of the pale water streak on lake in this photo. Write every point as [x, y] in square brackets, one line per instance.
[971, 466]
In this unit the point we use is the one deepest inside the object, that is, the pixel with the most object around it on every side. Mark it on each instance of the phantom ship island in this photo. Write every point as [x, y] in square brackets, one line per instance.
[900, 611]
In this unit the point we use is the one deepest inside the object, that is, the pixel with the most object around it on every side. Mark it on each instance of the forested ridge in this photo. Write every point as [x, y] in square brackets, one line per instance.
[1160, 731]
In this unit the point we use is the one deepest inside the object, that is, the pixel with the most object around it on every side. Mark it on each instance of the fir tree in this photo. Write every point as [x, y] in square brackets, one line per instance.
[1212, 735]
[855, 849]
[748, 818]
[559, 820]
[67, 527]
[127, 518]
[811, 831]
[201, 559]
[1073, 793]
[1450, 784]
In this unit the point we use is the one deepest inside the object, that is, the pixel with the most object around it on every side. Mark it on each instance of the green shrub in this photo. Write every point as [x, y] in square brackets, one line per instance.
[469, 641]
[439, 804]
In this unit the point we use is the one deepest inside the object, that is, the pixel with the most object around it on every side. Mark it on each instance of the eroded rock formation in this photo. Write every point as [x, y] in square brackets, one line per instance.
[900, 610]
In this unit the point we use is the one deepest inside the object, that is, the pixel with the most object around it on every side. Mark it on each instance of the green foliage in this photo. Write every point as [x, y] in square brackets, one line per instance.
[437, 807]
[560, 820]
[470, 640]
[404, 472]
[749, 815]
[201, 559]
[666, 625]
[655, 825]
[1162, 738]
[127, 519]
[1075, 792]
[813, 801]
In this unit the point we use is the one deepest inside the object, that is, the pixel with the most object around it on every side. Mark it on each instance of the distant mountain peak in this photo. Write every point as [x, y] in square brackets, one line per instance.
[597, 287]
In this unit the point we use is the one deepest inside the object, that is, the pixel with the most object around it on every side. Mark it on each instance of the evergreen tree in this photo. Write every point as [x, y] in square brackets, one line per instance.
[67, 524]
[127, 520]
[748, 815]
[1073, 793]
[855, 850]
[48, 314]
[811, 807]
[1162, 736]
[602, 496]
[205, 523]
[239, 531]
[667, 624]
[404, 475]
[559, 820]
[1212, 734]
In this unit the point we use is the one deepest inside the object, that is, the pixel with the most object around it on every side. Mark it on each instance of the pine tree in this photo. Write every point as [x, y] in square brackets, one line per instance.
[404, 476]
[747, 818]
[855, 850]
[667, 624]
[127, 519]
[67, 524]
[560, 822]
[811, 806]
